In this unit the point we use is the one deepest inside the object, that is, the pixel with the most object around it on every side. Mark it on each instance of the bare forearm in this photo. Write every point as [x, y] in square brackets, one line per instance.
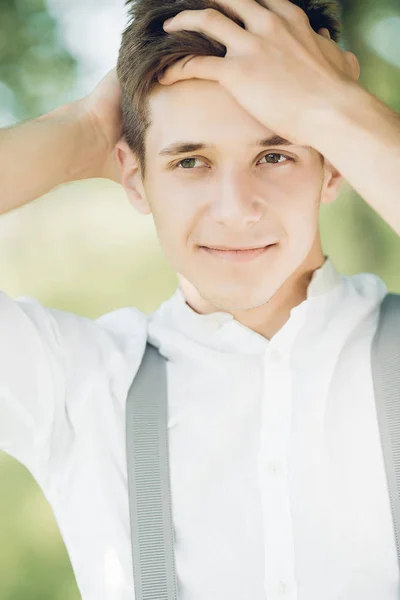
[37, 156]
[361, 138]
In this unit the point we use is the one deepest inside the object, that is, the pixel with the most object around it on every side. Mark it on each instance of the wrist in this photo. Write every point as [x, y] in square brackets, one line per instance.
[92, 148]
[341, 104]
[100, 137]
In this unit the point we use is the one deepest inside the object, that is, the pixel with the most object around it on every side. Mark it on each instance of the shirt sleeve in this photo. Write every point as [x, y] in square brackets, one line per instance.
[48, 359]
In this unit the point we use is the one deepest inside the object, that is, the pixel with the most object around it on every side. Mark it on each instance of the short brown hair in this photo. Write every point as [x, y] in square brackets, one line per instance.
[146, 50]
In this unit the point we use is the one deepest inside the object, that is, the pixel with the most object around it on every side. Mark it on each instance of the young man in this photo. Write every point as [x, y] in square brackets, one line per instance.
[277, 473]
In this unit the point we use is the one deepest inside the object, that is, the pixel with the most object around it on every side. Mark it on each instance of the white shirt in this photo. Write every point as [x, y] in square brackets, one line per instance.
[277, 473]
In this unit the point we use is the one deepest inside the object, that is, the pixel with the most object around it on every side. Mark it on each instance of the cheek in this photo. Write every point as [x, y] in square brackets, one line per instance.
[174, 221]
[299, 216]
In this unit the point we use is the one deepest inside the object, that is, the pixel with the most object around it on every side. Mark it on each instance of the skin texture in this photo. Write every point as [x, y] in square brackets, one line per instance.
[234, 195]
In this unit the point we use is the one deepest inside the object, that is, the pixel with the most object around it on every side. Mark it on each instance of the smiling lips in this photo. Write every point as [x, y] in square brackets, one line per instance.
[238, 255]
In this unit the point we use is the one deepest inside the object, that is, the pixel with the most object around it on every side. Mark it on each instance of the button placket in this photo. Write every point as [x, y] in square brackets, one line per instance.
[273, 481]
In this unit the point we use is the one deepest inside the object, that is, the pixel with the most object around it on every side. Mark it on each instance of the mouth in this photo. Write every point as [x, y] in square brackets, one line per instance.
[238, 255]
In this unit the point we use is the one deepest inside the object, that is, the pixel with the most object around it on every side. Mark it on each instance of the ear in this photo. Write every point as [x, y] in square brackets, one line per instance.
[131, 177]
[332, 183]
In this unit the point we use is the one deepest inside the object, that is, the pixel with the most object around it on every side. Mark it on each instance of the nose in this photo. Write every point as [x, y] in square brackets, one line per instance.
[236, 204]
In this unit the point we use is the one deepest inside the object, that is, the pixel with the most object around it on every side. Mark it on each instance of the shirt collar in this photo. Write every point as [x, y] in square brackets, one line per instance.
[324, 279]
[220, 331]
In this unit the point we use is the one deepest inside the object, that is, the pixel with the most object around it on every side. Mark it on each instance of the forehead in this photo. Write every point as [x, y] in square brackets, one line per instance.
[198, 109]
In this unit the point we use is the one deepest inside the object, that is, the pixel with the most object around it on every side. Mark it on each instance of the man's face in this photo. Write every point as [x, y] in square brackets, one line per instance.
[233, 195]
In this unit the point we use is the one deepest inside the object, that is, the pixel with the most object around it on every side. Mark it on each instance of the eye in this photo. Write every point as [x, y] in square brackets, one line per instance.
[192, 158]
[277, 154]
[185, 160]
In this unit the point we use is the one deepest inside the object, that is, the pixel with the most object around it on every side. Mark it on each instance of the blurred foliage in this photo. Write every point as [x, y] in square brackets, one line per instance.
[83, 249]
[33, 63]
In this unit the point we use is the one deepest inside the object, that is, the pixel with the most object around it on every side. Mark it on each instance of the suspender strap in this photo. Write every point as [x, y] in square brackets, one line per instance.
[386, 375]
[152, 531]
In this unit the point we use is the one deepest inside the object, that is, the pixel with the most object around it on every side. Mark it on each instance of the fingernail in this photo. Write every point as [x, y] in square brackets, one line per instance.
[167, 22]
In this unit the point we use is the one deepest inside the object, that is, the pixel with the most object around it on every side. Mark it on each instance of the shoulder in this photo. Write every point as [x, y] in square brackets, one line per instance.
[116, 338]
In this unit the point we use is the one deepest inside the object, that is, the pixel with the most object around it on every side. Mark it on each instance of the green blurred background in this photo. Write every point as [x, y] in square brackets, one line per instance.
[82, 248]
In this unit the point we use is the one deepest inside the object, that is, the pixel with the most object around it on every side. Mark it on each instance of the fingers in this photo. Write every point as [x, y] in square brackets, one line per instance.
[213, 23]
[286, 9]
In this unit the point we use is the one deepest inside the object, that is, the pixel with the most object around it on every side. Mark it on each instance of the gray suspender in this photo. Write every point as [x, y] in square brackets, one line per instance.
[152, 531]
[386, 375]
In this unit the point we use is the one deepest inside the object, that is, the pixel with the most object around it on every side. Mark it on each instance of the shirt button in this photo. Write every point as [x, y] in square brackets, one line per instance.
[274, 467]
[281, 588]
[275, 355]
[213, 324]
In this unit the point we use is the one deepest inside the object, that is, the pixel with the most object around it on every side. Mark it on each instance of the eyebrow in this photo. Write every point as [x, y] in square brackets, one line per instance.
[184, 147]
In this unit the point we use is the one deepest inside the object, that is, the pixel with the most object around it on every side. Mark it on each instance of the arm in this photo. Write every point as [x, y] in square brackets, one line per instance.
[75, 141]
[360, 136]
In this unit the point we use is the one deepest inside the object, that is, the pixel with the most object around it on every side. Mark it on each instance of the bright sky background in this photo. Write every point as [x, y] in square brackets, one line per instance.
[383, 37]
[91, 31]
